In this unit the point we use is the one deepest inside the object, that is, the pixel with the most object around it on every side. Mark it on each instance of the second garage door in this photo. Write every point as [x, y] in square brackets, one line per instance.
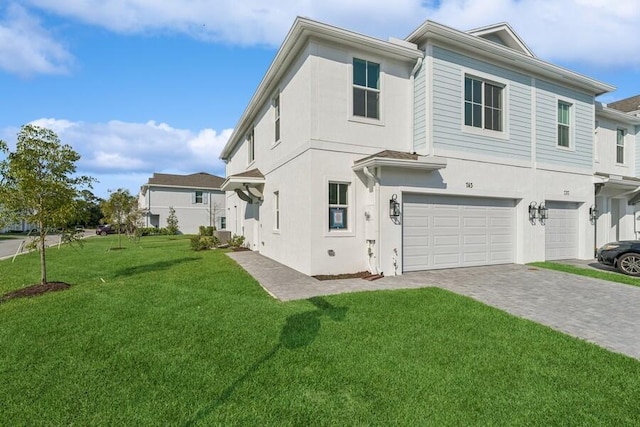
[446, 231]
[561, 231]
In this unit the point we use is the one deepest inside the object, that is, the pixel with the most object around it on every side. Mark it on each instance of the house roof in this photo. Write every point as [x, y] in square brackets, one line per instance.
[253, 173]
[247, 185]
[389, 158]
[617, 115]
[503, 33]
[521, 58]
[299, 34]
[195, 180]
[627, 105]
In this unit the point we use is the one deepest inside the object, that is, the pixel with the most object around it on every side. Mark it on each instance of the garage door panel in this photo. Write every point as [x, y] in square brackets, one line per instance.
[561, 231]
[461, 231]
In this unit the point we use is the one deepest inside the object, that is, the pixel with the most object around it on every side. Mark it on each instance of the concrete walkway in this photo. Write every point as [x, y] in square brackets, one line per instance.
[598, 311]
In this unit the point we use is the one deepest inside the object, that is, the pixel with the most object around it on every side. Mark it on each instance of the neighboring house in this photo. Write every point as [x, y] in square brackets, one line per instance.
[445, 149]
[617, 171]
[196, 199]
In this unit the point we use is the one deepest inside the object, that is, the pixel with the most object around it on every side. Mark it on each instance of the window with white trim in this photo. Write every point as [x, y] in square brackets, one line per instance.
[276, 109]
[483, 104]
[276, 210]
[564, 124]
[620, 134]
[198, 197]
[223, 223]
[366, 89]
[338, 205]
[251, 146]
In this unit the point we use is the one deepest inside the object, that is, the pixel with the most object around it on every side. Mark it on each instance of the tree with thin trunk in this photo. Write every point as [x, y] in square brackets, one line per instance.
[172, 221]
[39, 185]
[121, 210]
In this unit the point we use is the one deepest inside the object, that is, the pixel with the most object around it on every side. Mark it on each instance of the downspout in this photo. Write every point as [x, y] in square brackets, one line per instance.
[376, 189]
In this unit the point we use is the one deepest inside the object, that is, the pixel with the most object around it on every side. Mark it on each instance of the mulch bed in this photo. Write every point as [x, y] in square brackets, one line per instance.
[35, 290]
[358, 275]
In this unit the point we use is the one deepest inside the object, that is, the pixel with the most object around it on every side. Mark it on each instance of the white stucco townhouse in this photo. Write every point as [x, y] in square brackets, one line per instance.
[445, 149]
[196, 199]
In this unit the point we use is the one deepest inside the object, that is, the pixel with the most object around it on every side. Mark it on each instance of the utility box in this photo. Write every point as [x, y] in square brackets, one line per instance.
[370, 222]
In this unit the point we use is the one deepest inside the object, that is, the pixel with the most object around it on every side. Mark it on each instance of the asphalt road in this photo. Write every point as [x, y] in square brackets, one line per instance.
[9, 247]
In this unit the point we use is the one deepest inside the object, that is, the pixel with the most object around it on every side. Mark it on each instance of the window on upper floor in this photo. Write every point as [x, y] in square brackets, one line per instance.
[564, 124]
[338, 205]
[366, 89]
[198, 197]
[620, 134]
[276, 110]
[483, 104]
[251, 146]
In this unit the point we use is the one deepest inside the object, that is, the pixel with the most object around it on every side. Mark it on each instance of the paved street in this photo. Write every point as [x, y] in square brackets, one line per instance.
[8, 247]
[599, 311]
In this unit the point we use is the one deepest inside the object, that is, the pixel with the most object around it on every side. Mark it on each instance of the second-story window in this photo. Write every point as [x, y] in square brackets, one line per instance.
[564, 124]
[199, 197]
[620, 134]
[251, 146]
[366, 89]
[276, 109]
[483, 104]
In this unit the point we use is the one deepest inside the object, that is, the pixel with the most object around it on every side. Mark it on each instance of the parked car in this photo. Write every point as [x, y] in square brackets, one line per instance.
[105, 229]
[623, 255]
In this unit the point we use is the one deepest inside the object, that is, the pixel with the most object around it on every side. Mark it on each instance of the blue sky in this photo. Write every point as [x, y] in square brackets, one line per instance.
[138, 87]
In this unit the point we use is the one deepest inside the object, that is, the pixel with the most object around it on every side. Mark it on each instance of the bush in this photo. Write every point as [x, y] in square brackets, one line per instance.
[206, 230]
[236, 241]
[200, 243]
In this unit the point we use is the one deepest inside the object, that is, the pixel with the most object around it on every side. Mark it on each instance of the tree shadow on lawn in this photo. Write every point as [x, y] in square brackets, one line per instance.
[299, 330]
[155, 266]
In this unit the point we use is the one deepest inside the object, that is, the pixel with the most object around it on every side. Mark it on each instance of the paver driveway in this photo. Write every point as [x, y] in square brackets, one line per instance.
[602, 312]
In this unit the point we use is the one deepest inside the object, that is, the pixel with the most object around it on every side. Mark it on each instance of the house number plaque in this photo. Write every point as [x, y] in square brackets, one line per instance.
[469, 184]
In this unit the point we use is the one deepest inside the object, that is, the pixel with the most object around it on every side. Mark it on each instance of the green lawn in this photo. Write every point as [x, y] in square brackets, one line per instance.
[589, 272]
[175, 337]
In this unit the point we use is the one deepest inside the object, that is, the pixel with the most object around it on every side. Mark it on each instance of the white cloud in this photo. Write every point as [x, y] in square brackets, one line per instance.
[118, 153]
[26, 48]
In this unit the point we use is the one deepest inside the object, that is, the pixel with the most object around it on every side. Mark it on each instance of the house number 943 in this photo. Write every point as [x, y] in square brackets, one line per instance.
[469, 184]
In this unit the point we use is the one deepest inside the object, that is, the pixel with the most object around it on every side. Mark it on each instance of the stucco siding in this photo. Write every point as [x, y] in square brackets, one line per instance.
[580, 154]
[449, 132]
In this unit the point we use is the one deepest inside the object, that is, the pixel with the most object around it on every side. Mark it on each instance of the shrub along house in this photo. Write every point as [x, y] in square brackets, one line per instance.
[444, 149]
[196, 199]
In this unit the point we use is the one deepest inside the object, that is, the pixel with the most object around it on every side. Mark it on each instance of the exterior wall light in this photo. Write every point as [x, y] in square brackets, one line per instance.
[394, 207]
[543, 211]
[533, 212]
[593, 213]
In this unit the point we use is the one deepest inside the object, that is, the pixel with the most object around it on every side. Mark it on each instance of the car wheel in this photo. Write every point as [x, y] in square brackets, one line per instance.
[630, 264]
[103, 233]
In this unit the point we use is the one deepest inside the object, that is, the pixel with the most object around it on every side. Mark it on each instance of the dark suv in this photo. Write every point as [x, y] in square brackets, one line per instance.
[105, 229]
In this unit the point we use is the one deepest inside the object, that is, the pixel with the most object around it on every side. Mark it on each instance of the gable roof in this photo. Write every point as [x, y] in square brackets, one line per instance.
[195, 180]
[627, 105]
[296, 39]
[502, 54]
[502, 33]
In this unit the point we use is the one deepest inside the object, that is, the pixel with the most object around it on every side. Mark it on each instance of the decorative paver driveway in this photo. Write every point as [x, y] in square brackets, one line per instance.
[602, 312]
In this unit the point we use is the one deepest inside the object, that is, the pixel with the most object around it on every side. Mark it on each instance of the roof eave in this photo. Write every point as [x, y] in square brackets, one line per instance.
[428, 163]
[613, 114]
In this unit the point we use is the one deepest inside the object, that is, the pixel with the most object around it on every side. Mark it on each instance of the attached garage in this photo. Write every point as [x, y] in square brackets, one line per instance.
[450, 231]
[561, 231]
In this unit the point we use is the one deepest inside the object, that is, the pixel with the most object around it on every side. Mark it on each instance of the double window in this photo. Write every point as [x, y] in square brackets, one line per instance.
[338, 205]
[366, 89]
[620, 134]
[564, 124]
[483, 104]
[251, 146]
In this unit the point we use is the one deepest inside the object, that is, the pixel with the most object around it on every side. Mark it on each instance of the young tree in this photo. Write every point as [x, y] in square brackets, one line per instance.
[121, 210]
[38, 183]
[172, 221]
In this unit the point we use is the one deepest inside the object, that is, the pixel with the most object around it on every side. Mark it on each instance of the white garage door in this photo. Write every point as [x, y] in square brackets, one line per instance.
[447, 231]
[561, 231]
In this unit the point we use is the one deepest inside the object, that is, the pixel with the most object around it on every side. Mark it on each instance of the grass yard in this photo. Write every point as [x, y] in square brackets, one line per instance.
[157, 334]
[589, 272]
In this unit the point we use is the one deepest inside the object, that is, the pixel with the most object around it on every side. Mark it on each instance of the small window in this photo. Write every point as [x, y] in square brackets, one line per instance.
[338, 205]
[276, 209]
[251, 146]
[483, 104]
[620, 134]
[564, 124]
[199, 197]
[223, 223]
[276, 108]
[366, 89]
